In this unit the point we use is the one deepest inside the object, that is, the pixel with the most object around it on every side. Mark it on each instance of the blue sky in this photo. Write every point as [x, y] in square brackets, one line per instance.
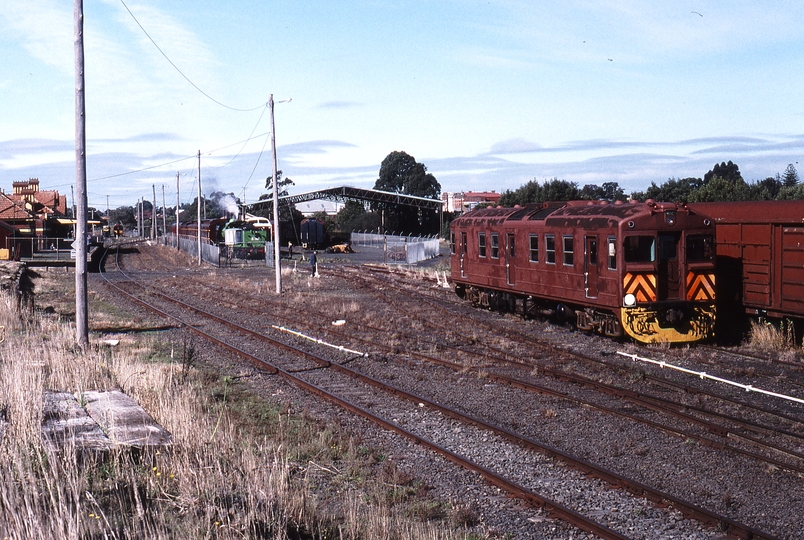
[487, 94]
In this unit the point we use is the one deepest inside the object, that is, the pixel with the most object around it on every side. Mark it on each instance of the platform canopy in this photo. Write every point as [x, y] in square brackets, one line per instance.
[345, 193]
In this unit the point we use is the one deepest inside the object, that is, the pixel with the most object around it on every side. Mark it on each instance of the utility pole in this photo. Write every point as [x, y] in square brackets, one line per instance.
[276, 201]
[198, 208]
[177, 210]
[81, 309]
[164, 212]
[153, 214]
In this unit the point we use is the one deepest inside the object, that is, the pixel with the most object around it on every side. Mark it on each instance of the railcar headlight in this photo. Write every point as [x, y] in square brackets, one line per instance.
[629, 300]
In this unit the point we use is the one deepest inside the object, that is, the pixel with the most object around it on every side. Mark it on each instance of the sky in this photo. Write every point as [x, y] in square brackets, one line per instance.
[488, 95]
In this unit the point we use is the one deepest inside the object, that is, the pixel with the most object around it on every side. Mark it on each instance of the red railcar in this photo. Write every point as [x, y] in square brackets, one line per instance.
[760, 256]
[642, 269]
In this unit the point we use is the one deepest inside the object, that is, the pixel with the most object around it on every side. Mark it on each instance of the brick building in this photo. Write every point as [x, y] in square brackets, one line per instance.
[463, 201]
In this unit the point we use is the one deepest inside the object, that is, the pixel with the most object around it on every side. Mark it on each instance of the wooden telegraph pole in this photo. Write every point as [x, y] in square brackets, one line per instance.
[198, 207]
[80, 241]
[276, 201]
[153, 214]
[177, 210]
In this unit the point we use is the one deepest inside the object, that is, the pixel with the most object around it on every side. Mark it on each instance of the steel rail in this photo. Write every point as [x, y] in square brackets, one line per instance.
[556, 509]
[657, 497]
[574, 355]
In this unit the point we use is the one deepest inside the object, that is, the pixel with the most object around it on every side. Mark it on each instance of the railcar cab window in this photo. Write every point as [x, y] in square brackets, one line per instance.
[452, 243]
[569, 251]
[639, 249]
[481, 245]
[534, 248]
[495, 246]
[550, 248]
[612, 251]
[700, 248]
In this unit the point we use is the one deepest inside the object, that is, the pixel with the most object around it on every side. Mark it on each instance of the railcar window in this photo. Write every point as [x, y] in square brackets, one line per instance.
[612, 253]
[495, 246]
[700, 247]
[481, 245]
[639, 249]
[511, 239]
[452, 243]
[534, 248]
[550, 248]
[569, 251]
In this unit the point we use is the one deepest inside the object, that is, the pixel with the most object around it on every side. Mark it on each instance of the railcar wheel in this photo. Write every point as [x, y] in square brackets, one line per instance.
[565, 314]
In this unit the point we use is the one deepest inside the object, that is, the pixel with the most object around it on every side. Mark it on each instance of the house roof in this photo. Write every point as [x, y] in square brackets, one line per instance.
[11, 209]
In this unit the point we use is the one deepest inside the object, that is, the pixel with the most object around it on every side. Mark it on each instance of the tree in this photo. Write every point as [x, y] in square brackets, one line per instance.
[532, 192]
[527, 193]
[790, 176]
[353, 217]
[765, 190]
[671, 191]
[721, 189]
[281, 186]
[123, 215]
[189, 212]
[286, 212]
[727, 171]
[609, 191]
[792, 192]
[400, 173]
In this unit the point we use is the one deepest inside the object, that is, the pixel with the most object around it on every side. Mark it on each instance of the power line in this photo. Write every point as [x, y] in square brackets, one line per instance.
[180, 71]
[177, 160]
[247, 140]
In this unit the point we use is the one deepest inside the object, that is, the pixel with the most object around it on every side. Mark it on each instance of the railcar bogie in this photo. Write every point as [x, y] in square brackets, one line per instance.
[645, 270]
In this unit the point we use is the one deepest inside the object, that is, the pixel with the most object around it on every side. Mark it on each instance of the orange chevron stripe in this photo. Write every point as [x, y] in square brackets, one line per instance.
[700, 286]
[642, 286]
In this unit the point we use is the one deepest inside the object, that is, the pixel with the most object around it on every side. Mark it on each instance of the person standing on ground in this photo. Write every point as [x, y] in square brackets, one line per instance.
[314, 264]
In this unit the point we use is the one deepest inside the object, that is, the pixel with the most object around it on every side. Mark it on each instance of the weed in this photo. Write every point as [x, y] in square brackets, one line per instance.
[770, 337]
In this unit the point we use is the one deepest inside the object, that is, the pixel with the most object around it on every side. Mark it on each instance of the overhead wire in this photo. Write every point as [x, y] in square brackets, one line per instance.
[244, 142]
[247, 140]
[180, 71]
[194, 156]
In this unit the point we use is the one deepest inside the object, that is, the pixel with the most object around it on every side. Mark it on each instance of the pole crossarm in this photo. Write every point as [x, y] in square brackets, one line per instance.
[345, 193]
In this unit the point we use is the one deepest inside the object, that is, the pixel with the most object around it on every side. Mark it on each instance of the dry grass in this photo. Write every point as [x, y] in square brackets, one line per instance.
[239, 467]
[768, 337]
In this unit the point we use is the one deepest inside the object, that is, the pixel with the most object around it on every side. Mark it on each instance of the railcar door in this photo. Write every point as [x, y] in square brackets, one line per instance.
[669, 286]
[462, 248]
[510, 259]
[590, 267]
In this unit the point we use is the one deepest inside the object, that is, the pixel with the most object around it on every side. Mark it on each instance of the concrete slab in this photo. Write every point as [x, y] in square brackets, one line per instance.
[64, 422]
[123, 420]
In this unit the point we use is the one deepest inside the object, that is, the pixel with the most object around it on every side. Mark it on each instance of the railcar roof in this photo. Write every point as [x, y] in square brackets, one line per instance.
[564, 210]
[791, 212]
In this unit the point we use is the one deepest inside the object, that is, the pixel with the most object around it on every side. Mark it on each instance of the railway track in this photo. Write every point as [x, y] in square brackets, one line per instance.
[361, 405]
[737, 429]
[712, 419]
